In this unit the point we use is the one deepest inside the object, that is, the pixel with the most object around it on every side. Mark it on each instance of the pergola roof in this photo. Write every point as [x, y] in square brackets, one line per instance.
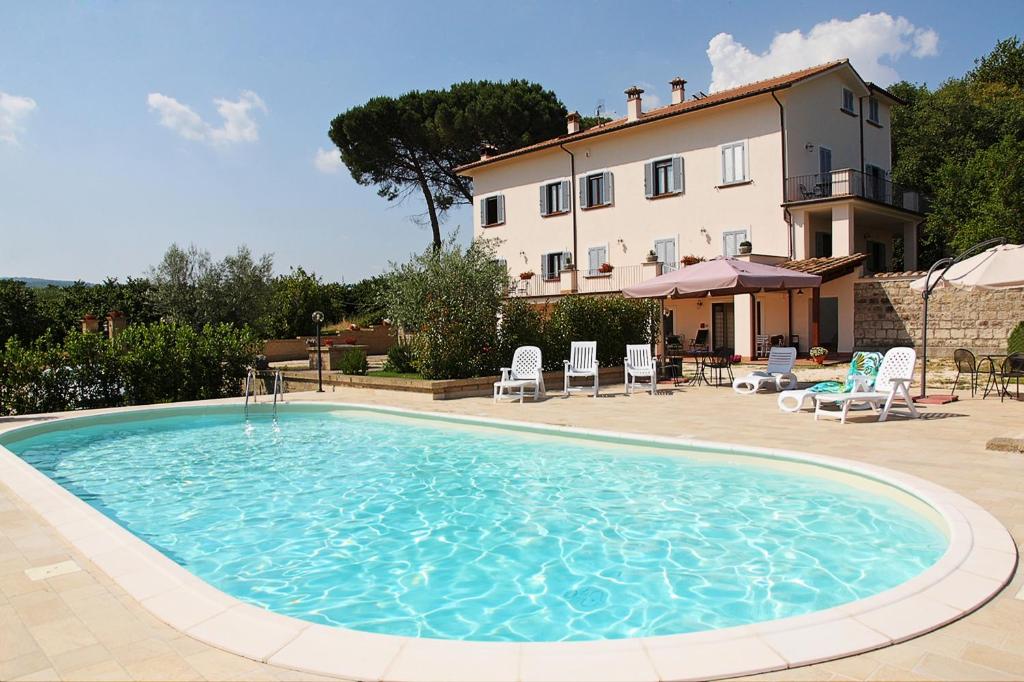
[828, 268]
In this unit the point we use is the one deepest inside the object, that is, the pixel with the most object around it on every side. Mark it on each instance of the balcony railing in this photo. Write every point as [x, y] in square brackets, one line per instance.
[593, 282]
[535, 286]
[847, 182]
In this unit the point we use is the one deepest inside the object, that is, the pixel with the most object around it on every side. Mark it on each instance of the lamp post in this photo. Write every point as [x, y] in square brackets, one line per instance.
[318, 318]
[943, 264]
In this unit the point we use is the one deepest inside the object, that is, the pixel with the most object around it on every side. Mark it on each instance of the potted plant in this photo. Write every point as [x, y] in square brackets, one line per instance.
[526, 275]
[652, 257]
[329, 342]
[605, 268]
[818, 354]
[350, 340]
[691, 260]
[745, 247]
[353, 327]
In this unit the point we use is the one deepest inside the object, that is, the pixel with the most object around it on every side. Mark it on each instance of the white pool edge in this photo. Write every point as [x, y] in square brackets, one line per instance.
[980, 560]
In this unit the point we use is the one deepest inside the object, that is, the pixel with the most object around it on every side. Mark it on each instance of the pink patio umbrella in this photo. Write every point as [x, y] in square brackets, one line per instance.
[722, 277]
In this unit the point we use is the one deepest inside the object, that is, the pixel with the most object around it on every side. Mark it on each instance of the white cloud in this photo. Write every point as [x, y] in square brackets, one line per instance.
[238, 124]
[13, 112]
[651, 100]
[871, 41]
[327, 160]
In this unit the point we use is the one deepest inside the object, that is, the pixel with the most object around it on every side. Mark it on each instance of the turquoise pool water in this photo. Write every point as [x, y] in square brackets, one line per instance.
[427, 528]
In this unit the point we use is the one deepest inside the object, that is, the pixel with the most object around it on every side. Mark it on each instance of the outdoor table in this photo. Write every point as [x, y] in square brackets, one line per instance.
[699, 357]
[994, 360]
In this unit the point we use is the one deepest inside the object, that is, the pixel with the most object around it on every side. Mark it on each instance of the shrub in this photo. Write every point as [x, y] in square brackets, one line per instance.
[613, 322]
[144, 364]
[1015, 344]
[521, 325]
[353, 362]
[401, 358]
[449, 299]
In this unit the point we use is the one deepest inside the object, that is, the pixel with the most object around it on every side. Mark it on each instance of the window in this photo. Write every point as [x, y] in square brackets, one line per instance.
[734, 162]
[664, 176]
[731, 241]
[822, 244]
[848, 101]
[877, 261]
[666, 251]
[554, 198]
[873, 110]
[596, 256]
[596, 190]
[492, 210]
[551, 264]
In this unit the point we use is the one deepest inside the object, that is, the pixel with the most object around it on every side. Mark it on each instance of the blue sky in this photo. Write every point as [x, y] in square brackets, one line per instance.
[112, 144]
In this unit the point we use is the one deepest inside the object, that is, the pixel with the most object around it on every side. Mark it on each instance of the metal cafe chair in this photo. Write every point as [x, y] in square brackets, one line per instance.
[1010, 370]
[718, 361]
[966, 363]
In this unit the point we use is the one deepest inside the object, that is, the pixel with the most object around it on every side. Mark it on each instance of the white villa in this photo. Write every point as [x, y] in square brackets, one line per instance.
[797, 166]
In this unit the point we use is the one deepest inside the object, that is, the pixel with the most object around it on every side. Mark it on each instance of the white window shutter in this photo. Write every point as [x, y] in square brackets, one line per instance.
[593, 263]
[649, 179]
[501, 208]
[544, 266]
[609, 188]
[564, 193]
[544, 200]
[727, 164]
[677, 174]
[565, 259]
[583, 192]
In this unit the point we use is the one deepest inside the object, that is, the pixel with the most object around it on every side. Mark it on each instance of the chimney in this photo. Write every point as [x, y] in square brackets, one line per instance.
[678, 90]
[633, 103]
[573, 124]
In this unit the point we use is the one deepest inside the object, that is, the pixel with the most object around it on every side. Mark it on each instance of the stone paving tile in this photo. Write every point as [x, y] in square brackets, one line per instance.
[83, 626]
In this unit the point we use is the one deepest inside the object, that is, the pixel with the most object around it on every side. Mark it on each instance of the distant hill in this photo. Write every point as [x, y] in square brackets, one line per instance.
[37, 283]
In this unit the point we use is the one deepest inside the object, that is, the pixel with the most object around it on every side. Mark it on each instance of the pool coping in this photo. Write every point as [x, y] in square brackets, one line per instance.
[979, 561]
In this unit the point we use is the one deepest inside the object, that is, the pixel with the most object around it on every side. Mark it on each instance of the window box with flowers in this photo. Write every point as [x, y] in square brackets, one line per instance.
[526, 275]
[605, 268]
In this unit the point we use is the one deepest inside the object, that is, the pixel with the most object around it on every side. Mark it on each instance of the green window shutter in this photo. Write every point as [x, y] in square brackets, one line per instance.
[544, 266]
[483, 211]
[501, 208]
[609, 188]
[564, 193]
[649, 179]
[544, 210]
[583, 192]
[677, 174]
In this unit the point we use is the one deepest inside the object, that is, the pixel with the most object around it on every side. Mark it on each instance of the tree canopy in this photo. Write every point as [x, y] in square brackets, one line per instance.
[412, 144]
[963, 145]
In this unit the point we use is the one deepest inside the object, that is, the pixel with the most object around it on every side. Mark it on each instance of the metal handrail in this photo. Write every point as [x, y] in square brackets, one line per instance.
[251, 388]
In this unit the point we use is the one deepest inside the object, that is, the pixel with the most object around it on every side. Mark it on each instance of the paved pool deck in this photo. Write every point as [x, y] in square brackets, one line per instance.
[80, 625]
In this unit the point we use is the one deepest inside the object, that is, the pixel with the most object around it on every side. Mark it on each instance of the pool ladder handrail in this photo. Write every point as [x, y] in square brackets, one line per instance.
[250, 388]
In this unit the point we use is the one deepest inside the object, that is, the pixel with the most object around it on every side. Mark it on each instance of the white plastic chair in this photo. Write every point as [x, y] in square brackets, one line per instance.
[895, 376]
[778, 374]
[639, 364]
[582, 362]
[761, 345]
[526, 372]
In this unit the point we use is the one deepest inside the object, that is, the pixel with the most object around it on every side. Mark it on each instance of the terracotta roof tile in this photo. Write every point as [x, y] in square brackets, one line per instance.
[828, 268]
[721, 97]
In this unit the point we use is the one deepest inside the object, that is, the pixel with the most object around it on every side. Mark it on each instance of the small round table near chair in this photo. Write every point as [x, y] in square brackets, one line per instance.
[999, 369]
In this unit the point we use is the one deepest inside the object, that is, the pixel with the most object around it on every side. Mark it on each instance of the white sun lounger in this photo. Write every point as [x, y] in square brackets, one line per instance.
[582, 363]
[778, 374]
[894, 378]
[638, 363]
[526, 372]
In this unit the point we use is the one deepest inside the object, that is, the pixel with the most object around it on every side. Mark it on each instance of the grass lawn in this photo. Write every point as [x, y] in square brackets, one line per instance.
[395, 375]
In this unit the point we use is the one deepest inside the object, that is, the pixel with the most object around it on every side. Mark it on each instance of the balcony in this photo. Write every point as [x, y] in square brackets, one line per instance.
[589, 282]
[845, 183]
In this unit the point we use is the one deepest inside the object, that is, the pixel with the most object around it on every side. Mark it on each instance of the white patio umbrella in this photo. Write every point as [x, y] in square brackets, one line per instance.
[996, 265]
[1001, 267]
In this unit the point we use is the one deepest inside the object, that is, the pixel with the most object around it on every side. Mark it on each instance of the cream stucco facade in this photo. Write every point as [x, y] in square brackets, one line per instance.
[798, 168]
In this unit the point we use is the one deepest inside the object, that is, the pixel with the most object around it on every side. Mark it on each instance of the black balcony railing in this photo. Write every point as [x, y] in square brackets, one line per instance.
[847, 182]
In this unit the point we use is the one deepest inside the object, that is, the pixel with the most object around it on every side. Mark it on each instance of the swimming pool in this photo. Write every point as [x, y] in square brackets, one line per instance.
[430, 528]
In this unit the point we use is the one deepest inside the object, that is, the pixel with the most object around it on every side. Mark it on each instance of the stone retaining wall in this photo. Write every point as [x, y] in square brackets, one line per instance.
[378, 341]
[889, 313]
